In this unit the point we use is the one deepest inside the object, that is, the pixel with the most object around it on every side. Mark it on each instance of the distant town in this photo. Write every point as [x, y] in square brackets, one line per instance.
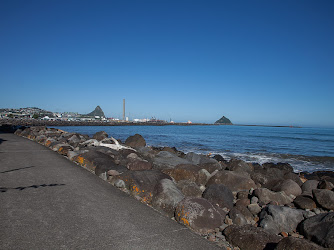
[95, 116]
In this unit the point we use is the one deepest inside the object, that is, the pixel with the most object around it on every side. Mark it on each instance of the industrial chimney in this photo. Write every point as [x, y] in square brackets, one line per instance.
[123, 109]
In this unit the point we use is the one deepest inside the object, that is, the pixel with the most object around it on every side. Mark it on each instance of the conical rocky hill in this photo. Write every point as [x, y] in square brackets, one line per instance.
[97, 112]
[224, 121]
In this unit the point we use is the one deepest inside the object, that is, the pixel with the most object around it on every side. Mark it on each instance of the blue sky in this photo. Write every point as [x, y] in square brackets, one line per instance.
[256, 62]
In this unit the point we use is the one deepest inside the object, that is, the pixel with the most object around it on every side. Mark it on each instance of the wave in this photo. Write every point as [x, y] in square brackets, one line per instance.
[300, 163]
[292, 138]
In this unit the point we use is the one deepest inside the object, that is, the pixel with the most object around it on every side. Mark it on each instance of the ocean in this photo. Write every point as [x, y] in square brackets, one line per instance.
[306, 149]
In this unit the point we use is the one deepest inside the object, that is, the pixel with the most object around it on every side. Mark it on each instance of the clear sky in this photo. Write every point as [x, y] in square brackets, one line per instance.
[255, 62]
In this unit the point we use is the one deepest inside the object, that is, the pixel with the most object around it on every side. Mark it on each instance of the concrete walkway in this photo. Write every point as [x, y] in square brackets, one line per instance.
[48, 202]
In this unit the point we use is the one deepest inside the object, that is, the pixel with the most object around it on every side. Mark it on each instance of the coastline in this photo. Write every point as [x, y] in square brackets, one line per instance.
[34, 122]
[236, 198]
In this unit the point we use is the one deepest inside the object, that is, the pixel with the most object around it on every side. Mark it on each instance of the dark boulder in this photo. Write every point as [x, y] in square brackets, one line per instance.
[75, 139]
[255, 209]
[320, 175]
[142, 184]
[219, 195]
[308, 186]
[294, 177]
[289, 187]
[297, 244]
[219, 158]
[266, 196]
[233, 180]
[98, 162]
[189, 188]
[165, 160]
[244, 211]
[243, 202]
[237, 217]
[323, 184]
[248, 237]
[320, 229]
[283, 167]
[64, 149]
[184, 172]
[135, 141]
[240, 166]
[324, 198]
[166, 197]
[304, 202]
[198, 214]
[139, 165]
[278, 219]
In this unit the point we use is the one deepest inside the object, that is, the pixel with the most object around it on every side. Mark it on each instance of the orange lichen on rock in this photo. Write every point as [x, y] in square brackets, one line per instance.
[48, 143]
[144, 197]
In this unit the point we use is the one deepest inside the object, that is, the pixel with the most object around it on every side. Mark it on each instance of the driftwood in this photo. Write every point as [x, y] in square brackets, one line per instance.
[96, 143]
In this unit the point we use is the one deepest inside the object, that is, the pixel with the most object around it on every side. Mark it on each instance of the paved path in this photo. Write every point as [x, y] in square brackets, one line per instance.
[48, 202]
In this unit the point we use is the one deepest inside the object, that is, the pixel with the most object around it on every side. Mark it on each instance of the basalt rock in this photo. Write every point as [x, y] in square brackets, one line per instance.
[219, 158]
[294, 177]
[100, 135]
[135, 141]
[323, 184]
[320, 175]
[139, 165]
[98, 162]
[266, 196]
[284, 168]
[234, 181]
[184, 172]
[320, 229]
[254, 208]
[289, 187]
[198, 214]
[243, 202]
[203, 176]
[248, 237]
[219, 195]
[142, 183]
[278, 219]
[166, 196]
[268, 175]
[64, 149]
[297, 244]
[165, 160]
[245, 212]
[198, 159]
[189, 188]
[308, 186]
[240, 166]
[208, 163]
[237, 217]
[324, 198]
[304, 202]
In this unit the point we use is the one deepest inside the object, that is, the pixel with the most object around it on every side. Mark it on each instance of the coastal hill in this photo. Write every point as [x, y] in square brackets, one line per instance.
[97, 112]
[224, 121]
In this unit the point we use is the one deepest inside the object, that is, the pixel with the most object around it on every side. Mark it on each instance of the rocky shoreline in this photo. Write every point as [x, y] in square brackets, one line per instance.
[233, 203]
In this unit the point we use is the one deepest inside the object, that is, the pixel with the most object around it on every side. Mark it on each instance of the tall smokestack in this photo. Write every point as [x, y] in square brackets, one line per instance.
[123, 109]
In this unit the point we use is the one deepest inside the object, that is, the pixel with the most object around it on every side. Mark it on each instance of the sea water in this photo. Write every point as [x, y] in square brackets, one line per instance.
[306, 149]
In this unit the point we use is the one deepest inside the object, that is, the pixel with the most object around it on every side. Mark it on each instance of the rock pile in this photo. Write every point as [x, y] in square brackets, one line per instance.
[233, 203]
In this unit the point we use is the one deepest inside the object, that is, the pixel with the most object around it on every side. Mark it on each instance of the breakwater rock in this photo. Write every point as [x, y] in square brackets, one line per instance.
[233, 203]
